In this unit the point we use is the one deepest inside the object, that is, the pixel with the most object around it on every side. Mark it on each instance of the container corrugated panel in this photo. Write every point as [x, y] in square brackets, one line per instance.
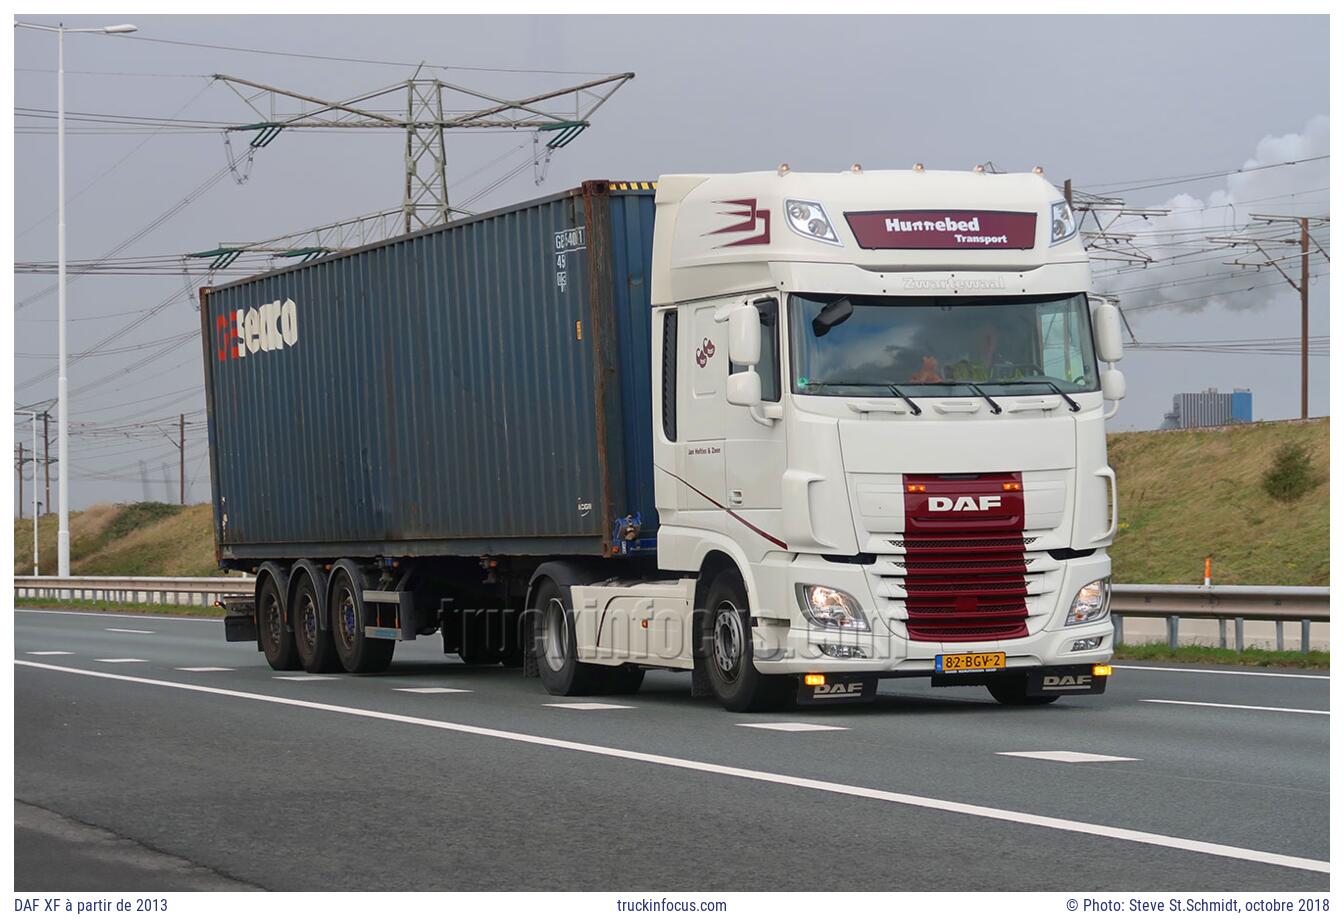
[477, 388]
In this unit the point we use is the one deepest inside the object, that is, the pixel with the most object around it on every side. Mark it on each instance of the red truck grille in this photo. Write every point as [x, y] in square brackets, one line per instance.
[965, 569]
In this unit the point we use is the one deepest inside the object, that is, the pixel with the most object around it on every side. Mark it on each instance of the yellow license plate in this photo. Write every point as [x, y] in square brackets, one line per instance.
[971, 661]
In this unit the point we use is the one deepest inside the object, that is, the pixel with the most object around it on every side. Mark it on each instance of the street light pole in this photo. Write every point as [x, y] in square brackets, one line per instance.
[62, 401]
[35, 571]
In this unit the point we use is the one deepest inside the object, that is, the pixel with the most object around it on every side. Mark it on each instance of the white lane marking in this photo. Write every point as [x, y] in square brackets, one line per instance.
[1139, 667]
[1065, 756]
[1310, 712]
[304, 677]
[429, 690]
[120, 660]
[792, 726]
[143, 632]
[212, 618]
[779, 779]
[587, 706]
[202, 670]
[48, 653]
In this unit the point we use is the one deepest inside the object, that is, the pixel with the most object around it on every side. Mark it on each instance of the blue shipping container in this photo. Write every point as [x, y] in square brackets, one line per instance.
[478, 388]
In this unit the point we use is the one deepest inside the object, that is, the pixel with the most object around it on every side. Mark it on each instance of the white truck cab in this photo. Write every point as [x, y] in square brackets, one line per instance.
[879, 401]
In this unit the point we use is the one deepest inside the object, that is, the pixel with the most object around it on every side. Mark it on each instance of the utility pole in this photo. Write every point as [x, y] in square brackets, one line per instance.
[1304, 243]
[19, 506]
[36, 516]
[1302, 289]
[46, 458]
[182, 455]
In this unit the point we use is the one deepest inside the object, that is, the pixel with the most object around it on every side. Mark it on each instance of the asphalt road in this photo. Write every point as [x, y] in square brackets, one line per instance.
[181, 779]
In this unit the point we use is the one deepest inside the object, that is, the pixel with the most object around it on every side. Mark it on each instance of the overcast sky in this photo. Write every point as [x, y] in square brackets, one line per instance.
[1110, 102]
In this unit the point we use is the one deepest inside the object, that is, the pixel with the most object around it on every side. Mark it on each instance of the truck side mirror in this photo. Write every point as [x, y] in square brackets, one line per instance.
[1106, 332]
[1112, 384]
[744, 337]
[744, 388]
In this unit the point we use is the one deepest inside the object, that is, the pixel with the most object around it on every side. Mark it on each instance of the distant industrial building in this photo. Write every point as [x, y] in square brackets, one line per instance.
[1208, 408]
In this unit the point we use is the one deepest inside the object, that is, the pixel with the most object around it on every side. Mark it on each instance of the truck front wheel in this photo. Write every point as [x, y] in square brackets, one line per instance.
[358, 653]
[726, 650]
[277, 642]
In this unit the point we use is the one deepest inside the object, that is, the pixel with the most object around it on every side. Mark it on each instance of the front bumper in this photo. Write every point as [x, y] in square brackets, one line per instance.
[796, 646]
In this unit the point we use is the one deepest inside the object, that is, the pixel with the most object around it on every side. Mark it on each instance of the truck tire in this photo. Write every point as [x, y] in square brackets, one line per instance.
[315, 645]
[277, 642]
[357, 653]
[561, 672]
[1011, 690]
[725, 643]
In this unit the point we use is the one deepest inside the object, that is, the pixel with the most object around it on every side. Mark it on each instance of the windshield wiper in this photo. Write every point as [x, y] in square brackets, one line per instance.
[895, 391]
[1073, 406]
[993, 406]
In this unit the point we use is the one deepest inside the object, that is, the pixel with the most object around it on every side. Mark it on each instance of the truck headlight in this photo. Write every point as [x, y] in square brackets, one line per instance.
[1062, 225]
[831, 608]
[1091, 603]
[808, 218]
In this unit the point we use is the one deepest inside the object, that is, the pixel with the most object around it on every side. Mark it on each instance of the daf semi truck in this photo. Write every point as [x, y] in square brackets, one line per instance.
[790, 432]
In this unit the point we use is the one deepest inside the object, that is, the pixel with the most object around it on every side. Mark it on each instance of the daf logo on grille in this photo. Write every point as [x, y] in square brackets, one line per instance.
[965, 502]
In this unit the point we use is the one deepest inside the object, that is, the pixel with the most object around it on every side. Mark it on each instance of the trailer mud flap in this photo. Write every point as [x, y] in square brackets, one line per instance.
[1073, 680]
[838, 689]
[240, 627]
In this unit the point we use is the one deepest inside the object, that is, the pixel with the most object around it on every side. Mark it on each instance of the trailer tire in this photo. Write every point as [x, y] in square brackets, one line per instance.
[1011, 690]
[358, 653]
[315, 645]
[725, 644]
[561, 672]
[277, 641]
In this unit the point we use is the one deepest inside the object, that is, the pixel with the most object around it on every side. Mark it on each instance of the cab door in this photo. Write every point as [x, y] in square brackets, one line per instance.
[703, 366]
[753, 443]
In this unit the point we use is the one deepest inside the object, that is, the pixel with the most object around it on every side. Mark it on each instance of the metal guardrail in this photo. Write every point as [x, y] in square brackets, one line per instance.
[1237, 603]
[201, 592]
[1278, 604]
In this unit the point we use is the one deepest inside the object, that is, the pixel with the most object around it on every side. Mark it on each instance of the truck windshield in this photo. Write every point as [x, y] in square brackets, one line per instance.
[931, 346]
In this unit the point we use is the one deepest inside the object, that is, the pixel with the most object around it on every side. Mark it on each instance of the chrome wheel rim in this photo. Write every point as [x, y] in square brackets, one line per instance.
[728, 641]
[555, 639]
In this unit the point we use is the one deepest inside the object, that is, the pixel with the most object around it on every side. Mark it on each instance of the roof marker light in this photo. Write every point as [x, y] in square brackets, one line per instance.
[1038, 170]
[783, 168]
[980, 168]
[857, 167]
[919, 167]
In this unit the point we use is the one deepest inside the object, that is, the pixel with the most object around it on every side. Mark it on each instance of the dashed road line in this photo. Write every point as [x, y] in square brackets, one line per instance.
[1066, 756]
[203, 670]
[429, 690]
[1105, 831]
[587, 707]
[1309, 712]
[303, 677]
[120, 660]
[48, 653]
[792, 726]
[142, 632]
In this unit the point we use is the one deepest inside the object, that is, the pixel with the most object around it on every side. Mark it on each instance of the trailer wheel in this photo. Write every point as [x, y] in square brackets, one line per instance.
[316, 648]
[562, 674]
[277, 642]
[357, 653]
[1011, 690]
[725, 641]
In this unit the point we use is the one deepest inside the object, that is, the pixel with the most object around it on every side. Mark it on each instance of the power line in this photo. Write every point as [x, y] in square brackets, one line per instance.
[353, 60]
[1196, 177]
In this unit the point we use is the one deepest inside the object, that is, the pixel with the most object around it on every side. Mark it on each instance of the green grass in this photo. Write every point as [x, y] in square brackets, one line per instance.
[43, 603]
[1201, 492]
[1205, 654]
[144, 538]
